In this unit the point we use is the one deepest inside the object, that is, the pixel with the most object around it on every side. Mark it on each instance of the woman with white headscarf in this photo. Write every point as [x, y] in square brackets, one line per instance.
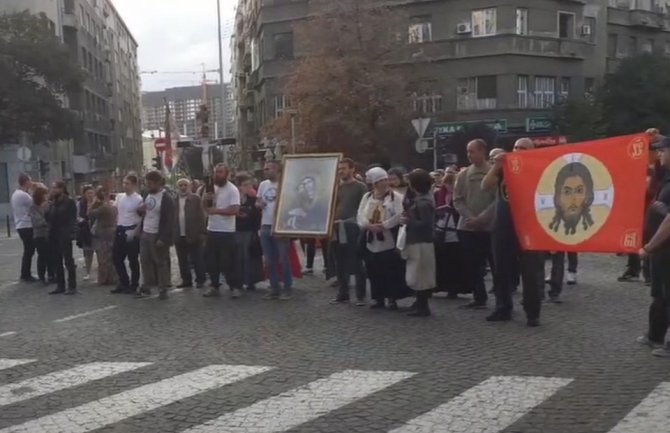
[379, 218]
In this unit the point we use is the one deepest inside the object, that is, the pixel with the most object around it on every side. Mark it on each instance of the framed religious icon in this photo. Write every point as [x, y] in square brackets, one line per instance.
[307, 191]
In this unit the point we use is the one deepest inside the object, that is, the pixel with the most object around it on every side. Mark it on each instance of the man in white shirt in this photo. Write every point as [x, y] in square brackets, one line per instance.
[221, 249]
[127, 240]
[275, 249]
[157, 236]
[21, 202]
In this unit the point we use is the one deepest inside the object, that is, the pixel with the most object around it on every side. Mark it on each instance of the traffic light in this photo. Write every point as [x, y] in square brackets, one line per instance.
[157, 162]
[43, 167]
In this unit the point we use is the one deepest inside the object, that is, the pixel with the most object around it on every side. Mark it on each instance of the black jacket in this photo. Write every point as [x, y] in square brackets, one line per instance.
[62, 218]
[421, 213]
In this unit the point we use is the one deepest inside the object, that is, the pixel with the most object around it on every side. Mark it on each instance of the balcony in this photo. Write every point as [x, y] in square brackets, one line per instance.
[646, 19]
[510, 44]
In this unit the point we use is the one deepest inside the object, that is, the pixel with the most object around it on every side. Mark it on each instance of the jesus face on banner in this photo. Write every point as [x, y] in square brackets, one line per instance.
[574, 198]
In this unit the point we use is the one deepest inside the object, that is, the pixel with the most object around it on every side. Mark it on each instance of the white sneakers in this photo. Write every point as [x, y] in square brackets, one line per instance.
[571, 279]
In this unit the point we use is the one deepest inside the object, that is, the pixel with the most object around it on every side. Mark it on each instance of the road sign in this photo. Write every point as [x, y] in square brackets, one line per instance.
[23, 154]
[420, 125]
[421, 145]
[451, 128]
[537, 124]
[160, 144]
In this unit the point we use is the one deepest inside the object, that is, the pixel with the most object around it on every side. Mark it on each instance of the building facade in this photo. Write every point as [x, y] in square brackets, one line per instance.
[108, 105]
[502, 62]
[184, 104]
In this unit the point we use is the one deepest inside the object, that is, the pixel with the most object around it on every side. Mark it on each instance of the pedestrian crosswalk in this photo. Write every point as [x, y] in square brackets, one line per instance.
[491, 406]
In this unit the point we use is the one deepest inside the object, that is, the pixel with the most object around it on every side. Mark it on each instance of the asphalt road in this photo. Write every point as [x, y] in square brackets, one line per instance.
[111, 363]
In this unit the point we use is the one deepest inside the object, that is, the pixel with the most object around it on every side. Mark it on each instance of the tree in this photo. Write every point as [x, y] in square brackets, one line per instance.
[35, 72]
[637, 95]
[347, 97]
[579, 119]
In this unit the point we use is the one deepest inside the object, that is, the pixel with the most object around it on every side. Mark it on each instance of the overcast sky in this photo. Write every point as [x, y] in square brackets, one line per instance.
[177, 35]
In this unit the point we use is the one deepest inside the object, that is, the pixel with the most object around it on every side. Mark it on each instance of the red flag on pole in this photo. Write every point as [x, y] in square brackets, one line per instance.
[583, 197]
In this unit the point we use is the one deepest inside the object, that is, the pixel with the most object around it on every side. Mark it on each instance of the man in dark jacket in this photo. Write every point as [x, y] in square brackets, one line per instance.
[62, 218]
[190, 233]
[157, 236]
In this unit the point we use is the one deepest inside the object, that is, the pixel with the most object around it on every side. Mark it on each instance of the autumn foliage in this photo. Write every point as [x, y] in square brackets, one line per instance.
[347, 96]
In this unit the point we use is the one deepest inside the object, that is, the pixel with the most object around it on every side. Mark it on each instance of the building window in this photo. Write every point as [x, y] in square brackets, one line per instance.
[522, 91]
[281, 103]
[283, 43]
[612, 45]
[427, 103]
[589, 31]
[255, 55]
[420, 30]
[632, 46]
[484, 22]
[477, 93]
[648, 46]
[667, 48]
[564, 90]
[84, 58]
[521, 21]
[566, 25]
[589, 87]
[545, 91]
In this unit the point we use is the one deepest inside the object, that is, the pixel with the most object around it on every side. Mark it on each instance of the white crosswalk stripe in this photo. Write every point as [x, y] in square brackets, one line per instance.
[109, 410]
[652, 415]
[492, 406]
[298, 406]
[60, 380]
[9, 363]
[489, 407]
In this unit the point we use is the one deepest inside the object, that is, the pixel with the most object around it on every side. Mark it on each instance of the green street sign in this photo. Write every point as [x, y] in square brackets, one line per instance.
[538, 124]
[453, 127]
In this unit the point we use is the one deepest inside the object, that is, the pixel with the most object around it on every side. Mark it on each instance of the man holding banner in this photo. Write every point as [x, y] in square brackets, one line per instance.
[508, 257]
[585, 197]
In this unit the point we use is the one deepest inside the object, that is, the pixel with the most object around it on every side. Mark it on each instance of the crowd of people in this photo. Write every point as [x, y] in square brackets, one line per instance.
[407, 234]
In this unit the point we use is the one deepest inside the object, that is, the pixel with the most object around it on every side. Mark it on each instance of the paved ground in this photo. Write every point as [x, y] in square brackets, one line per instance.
[111, 363]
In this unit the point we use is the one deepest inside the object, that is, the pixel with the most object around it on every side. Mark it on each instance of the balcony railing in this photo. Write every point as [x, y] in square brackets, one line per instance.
[496, 45]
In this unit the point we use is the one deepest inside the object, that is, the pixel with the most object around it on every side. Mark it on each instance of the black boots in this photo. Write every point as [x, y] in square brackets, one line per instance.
[421, 305]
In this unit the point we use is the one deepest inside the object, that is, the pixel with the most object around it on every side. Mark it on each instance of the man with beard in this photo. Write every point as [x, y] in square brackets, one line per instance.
[157, 236]
[346, 233]
[222, 207]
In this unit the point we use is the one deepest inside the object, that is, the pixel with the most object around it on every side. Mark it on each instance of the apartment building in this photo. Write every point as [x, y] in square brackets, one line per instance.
[108, 105]
[184, 103]
[501, 62]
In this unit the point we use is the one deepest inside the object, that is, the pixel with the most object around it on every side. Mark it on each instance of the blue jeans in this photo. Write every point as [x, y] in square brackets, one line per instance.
[276, 252]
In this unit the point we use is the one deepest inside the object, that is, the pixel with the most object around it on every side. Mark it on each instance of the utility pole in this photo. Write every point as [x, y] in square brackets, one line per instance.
[221, 83]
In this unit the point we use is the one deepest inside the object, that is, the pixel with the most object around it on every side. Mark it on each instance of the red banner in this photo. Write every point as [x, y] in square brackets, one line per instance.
[583, 197]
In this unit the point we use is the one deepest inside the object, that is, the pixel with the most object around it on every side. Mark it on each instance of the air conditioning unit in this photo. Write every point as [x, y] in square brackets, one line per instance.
[586, 30]
[464, 28]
